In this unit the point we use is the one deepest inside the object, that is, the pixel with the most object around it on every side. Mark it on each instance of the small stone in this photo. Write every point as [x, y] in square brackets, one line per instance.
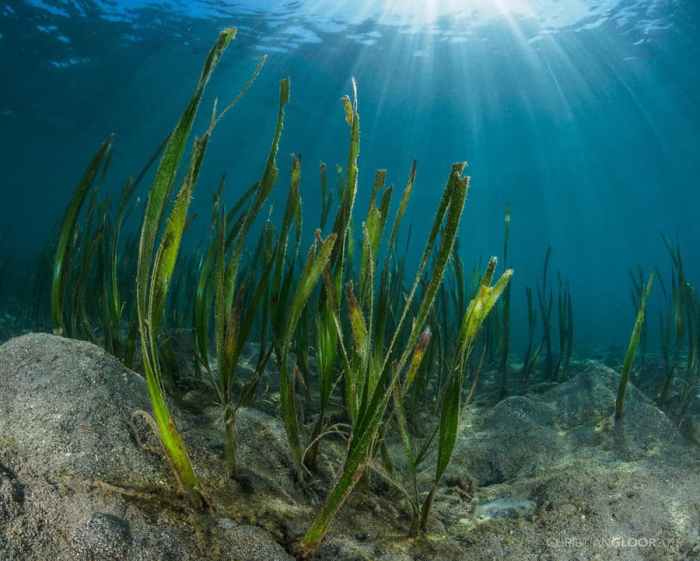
[226, 524]
[505, 508]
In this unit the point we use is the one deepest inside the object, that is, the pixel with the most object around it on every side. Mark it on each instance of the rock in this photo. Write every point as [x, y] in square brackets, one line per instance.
[505, 507]
[516, 438]
[195, 400]
[586, 402]
[66, 409]
[524, 436]
[64, 430]
[275, 464]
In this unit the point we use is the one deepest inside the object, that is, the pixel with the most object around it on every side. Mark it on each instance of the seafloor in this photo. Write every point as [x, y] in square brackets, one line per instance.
[543, 476]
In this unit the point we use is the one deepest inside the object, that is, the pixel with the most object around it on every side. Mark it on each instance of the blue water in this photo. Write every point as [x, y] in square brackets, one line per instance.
[582, 115]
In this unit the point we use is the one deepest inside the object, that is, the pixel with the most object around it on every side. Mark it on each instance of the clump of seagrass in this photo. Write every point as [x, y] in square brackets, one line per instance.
[232, 320]
[89, 271]
[361, 349]
[532, 351]
[154, 271]
[679, 331]
[378, 377]
[67, 235]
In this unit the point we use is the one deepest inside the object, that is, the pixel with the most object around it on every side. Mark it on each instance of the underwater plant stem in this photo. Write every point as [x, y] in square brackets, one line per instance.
[173, 444]
[505, 333]
[632, 349]
[477, 375]
[353, 471]
[544, 298]
[230, 441]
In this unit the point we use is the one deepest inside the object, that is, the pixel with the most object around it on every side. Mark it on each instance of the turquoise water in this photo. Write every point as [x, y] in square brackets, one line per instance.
[583, 116]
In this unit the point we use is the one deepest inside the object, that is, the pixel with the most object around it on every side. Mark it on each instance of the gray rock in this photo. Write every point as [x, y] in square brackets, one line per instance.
[517, 438]
[65, 428]
[586, 402]
[66, 408]
[525, 436]
[505, 507]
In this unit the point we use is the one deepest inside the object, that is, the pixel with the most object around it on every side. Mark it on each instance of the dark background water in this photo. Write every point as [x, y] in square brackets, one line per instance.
[583, 116]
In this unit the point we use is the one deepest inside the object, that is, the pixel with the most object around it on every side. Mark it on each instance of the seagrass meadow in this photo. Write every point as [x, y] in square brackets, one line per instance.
[229, 333]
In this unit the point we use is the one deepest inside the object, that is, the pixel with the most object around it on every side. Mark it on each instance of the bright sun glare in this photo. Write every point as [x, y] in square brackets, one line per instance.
[549, 13]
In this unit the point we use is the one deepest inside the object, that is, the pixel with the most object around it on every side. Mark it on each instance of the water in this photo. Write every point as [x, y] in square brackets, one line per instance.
[582, 116]
[471, 435]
